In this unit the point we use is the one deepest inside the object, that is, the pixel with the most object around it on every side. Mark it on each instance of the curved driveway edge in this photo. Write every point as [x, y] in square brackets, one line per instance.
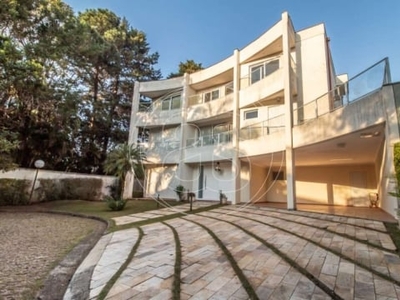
[56, 283]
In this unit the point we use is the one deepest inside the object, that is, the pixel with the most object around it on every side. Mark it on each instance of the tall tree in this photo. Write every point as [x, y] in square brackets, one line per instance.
[36, 44]
[124, 57]
[189, 66]
[66, 81]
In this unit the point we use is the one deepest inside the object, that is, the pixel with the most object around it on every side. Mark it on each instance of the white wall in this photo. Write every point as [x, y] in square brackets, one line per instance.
[161, 180]
[311, 58]
[327, 185]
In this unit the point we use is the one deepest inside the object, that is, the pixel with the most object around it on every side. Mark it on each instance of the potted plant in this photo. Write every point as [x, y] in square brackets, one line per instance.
[223, 199]
[179, 190]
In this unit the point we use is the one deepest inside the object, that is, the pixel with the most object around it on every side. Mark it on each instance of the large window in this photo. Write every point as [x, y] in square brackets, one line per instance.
[258, 72]
[171, 102]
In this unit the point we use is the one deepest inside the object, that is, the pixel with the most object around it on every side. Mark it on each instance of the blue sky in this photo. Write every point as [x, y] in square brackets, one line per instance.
[362, 32]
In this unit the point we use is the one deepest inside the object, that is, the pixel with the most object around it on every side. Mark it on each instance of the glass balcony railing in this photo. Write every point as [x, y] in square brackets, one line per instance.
[358, 87]
[209, 140]
[218, 93]
[263, 128]
[351, 91]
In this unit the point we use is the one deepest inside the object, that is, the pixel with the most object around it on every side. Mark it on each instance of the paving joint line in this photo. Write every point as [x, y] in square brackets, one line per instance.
[333, 232]
[106, 289]
[291, 262]
[176, 285]
[320, 219]
[243, 279]
[377, 273]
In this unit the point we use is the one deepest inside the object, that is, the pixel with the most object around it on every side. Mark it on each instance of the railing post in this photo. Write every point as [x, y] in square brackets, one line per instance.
[158, 201]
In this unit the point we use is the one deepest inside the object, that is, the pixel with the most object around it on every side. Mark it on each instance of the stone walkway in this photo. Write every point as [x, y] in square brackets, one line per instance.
[243, 253]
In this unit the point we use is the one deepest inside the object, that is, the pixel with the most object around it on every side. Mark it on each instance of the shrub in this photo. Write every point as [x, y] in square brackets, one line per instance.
[14, 191]
[115, 204]
[179, 191]
[50, 190]
[114, 189]
[396, 160]
[70, 189]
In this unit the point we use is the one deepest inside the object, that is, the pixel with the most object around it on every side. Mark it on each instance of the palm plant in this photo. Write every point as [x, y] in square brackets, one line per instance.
[123, 159]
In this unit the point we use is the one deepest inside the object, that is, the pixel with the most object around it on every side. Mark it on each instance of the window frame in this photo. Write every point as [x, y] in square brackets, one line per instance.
[245, 114]
[262, 69]
[170, 99]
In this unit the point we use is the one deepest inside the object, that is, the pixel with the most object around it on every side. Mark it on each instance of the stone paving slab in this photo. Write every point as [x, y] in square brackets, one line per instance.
[178, 209]
[113, 256]
[269, 275]
[379, 260]
[150, 273]
[361, 229]
[377, 225]
[205, 272]
[335, 272]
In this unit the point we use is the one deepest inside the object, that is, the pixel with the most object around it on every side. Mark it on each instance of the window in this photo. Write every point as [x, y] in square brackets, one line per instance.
[171, 102]
[229, 88]
[211, 95]
[260, 71]
[176, 102]
[278, 175]
[251, 114]
[165, 104]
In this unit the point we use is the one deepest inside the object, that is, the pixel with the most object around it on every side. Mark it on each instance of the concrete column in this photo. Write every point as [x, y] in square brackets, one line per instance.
[290, 159]
[133, 130]
[133, 133]
[387, 172]
[236, 129]
[182, 172]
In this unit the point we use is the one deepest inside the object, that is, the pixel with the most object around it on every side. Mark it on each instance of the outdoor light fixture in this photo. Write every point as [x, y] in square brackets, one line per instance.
[38, 165]
[217, 167]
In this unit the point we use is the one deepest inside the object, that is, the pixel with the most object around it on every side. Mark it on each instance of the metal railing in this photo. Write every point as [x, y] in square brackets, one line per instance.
[209, 140]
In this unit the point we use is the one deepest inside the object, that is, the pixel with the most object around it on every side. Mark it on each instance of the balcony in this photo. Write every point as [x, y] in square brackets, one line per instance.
[262, 90]
[210, 104]
[357, 88]
[155, 116]
[210, 109]
[206, 148]
[162, 152]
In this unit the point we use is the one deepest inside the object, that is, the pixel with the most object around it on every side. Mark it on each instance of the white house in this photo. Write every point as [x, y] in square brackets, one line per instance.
[273, 122]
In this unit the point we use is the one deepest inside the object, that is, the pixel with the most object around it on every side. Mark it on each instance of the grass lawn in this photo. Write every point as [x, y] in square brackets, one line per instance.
[100, 208]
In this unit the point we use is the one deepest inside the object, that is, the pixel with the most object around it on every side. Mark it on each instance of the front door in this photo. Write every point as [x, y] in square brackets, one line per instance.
[201, 182]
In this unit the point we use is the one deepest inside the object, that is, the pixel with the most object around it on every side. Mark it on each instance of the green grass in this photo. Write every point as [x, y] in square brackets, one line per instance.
[100, 209]
[106, 289]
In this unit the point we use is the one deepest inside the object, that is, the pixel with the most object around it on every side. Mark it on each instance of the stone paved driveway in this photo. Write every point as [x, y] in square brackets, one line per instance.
[243, 253]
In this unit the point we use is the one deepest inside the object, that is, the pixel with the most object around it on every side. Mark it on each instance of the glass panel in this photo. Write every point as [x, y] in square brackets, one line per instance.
[229, 88]
[207, 97]
[176, 102]
[271, 67]
[221, 128]
[165, 104]
[214, 94]
[251, 114]
[256, 74]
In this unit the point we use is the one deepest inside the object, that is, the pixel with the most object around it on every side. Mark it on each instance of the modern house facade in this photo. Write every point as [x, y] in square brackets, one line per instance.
[273, 122]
